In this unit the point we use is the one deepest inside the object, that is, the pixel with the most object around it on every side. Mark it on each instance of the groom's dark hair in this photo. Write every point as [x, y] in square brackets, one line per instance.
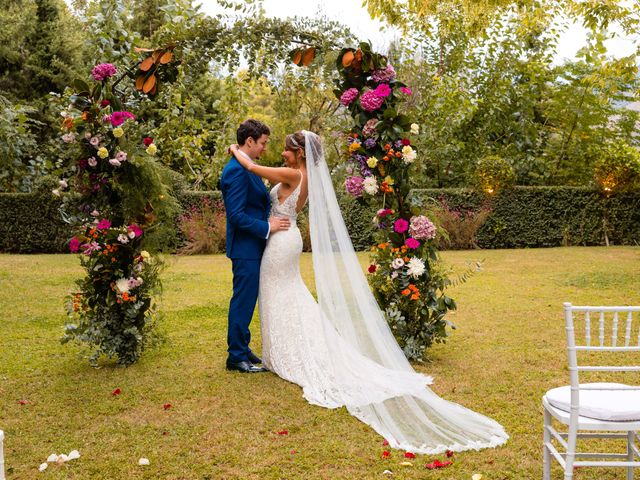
[251, 128]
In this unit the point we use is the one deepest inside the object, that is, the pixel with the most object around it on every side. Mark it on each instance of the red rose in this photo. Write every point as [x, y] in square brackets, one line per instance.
[147, 141]
[372, 268]
[105, 103]
[406, 141]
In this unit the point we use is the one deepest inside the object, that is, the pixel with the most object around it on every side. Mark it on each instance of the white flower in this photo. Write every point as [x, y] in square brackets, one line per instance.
[415, 129]
[115, 162]
[122, 238]
[92, 162]
[43, 467]
[476, 476]
[132, 235]
[87, 135]
[122, 285]
[95, 213]
[95, 141]
[397, 263]
[372, 162]
[394, 275]
[137, 267]
[63, 183]
[415, 267]
[370, 185]
[143, 461]
[69, 137]
[409, 154]
[56, 192]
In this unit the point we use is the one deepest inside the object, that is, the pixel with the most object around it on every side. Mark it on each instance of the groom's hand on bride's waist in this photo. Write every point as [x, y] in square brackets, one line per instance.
[278, 223]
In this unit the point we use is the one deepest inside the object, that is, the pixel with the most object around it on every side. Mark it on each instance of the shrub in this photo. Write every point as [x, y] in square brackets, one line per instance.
[493, 174]
[617, 169]
[460, 224]
[204, 228]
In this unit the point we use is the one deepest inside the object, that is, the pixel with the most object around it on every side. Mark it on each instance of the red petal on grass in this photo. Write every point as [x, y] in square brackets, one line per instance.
[385, 443]
[409, 455]
[293, 452]
[283, 432]
[117, 391]
[164, 434]
[438, 464]
[449, 453]
[386, 454]
[23, 402]
[166, 406]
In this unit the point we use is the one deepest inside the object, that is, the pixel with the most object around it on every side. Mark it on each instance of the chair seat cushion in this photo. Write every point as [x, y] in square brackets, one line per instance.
[609, 405]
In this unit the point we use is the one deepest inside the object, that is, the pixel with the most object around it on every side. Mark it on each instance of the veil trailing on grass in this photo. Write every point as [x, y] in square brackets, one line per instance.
[396, 403]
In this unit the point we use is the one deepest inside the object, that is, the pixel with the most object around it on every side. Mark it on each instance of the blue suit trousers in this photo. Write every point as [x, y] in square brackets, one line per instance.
[246, 277]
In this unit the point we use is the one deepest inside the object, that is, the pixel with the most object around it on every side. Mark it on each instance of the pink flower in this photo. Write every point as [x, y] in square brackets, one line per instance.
[370, 101]
[118, 118]
[102, 71]
[385, 74]
[412, 243]
[89, 248]
[354, 186]
[135, 229]
[74, 245]
[369, 129]
[383, 212]
[348, 96]
[121, 156]
[422, 228]
[103, 224]
[406, 90]
[115, 162]
[383, 90]
[400, 225]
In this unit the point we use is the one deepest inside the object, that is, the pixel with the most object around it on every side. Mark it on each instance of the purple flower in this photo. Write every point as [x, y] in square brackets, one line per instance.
[406, 90]
[370, 143]
[399, 144]
[74, 245]
[412, 243]
[383, 90]
[400, 225]
[354, 186]
[370, 101]
[384, 74]
[103, 224]
[118, 118]
[348, 96]
[102, 71]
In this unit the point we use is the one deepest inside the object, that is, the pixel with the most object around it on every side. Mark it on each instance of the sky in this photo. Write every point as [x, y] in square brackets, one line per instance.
[352, 14]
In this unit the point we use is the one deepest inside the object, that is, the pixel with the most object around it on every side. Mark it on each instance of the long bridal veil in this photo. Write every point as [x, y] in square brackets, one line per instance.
[408, 414]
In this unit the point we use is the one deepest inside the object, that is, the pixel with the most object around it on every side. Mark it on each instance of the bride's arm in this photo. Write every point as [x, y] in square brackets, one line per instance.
[273, 174]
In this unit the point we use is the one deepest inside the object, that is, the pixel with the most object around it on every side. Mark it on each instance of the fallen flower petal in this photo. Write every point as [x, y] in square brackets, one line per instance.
[283, 432]
[144, 461]
[406, 464]
[52, 458]
[385, 443]
[43, 467]
[23, 402]
[62, 458]
[117, 391]
[449, 453]
[387, 472]
[386, 454]
[409, 455]
[73, 455]
[476, 476]
[165, 433]
[166, 406]
[293, 452]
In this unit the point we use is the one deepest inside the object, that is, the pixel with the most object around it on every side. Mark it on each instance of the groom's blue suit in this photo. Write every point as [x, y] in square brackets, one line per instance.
[247, 206]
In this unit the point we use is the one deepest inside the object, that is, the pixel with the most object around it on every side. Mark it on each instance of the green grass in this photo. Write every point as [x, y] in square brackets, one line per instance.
[509, 348]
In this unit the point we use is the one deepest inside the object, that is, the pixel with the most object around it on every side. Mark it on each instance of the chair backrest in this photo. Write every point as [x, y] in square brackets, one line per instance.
[605, 329]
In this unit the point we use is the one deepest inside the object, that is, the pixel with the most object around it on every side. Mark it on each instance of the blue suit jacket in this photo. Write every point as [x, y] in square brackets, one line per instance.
[247, 206]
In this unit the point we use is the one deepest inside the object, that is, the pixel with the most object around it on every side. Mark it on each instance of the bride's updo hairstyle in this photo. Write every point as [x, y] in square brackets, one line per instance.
[296, 141]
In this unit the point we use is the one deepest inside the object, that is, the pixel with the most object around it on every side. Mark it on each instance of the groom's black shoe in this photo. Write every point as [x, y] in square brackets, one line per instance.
[245, 367]
[253, 358]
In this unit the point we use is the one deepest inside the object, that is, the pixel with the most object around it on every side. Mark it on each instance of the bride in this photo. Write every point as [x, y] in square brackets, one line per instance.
[340, 349]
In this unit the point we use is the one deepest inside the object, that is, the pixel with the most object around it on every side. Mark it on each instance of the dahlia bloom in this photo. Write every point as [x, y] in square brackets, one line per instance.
[102, 71]
[348, 96]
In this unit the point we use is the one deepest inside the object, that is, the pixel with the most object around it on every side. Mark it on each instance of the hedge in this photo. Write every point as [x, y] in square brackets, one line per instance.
[521, 217]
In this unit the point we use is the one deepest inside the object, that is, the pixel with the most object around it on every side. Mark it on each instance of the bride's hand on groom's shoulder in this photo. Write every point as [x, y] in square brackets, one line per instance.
[231, 148]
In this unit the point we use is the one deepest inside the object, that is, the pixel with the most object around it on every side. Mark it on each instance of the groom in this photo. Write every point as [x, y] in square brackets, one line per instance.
[247, 206]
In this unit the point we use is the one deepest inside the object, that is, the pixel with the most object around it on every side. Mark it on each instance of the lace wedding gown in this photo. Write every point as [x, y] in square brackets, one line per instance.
[303, 346]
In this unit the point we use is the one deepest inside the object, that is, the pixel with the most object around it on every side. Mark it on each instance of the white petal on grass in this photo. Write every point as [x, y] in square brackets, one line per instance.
[143, 461]
[43, 466]
[73, 454]
[52, 458]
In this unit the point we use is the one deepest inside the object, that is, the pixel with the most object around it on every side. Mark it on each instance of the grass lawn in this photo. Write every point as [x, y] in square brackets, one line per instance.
[509, 348]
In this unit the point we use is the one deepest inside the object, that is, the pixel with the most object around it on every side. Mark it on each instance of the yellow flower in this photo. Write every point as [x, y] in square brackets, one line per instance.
[118, 132]
[103, 152]
[354, 146]
[144, 254]
[388, 180]
[372, 162]
[152, 149]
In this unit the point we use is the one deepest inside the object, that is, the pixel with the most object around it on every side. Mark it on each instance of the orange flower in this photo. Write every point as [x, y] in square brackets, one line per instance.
[387, 146]
[412, 287]
[406, 291]
[398, 154]
[86, 115]
[395, 249]
[67, 123]
[385, 158]
[415, 296]
[125, 296]
[113, 259]
[406, 259]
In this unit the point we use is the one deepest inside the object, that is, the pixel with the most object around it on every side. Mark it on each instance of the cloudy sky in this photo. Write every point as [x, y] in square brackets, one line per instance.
[351, 13]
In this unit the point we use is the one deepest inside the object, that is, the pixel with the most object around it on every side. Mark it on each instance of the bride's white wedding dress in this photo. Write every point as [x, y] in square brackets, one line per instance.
[340, 350]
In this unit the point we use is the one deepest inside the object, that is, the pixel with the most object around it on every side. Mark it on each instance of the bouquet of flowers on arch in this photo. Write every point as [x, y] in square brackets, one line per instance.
[404, 275]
